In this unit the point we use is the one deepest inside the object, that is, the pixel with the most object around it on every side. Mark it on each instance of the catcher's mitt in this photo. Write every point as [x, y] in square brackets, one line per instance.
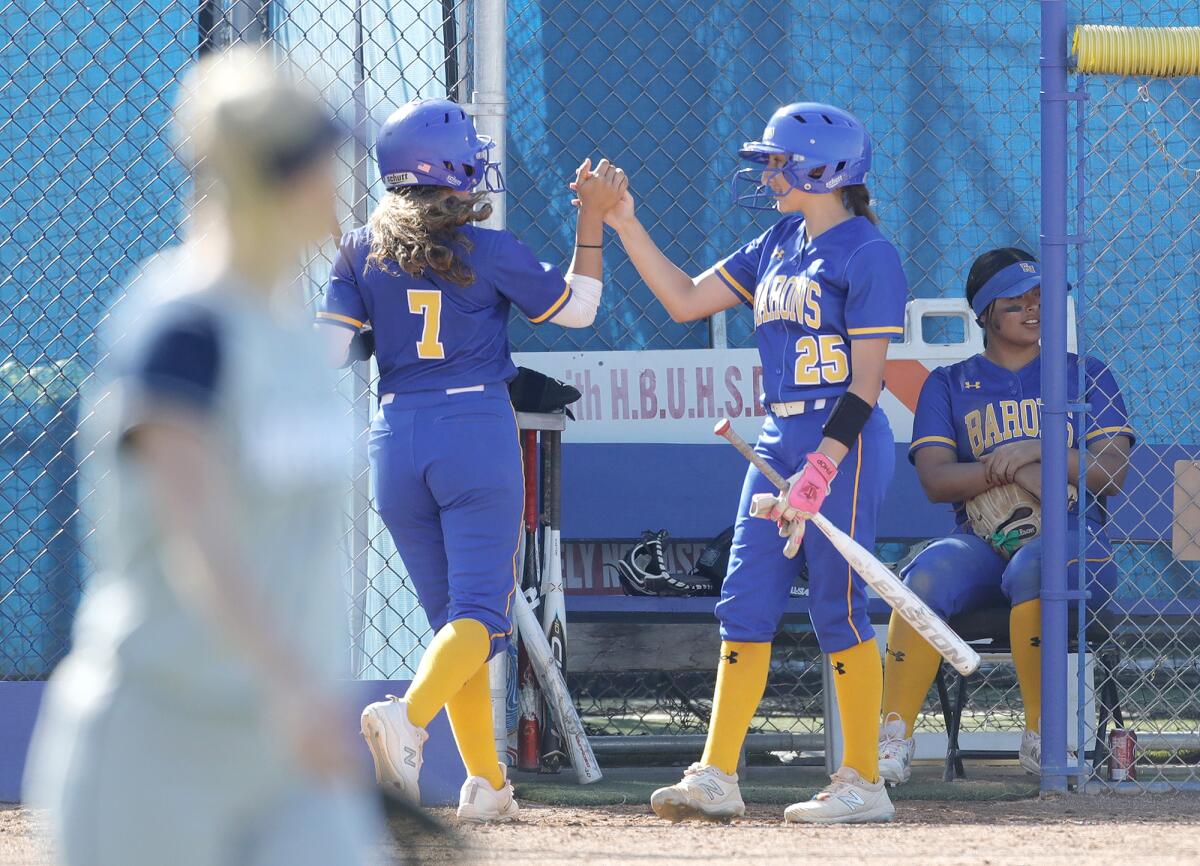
[1009, 516]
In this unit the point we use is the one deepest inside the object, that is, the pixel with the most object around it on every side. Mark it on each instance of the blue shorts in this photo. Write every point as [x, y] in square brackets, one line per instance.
[759, 579]
[447, 478]
[962, 573]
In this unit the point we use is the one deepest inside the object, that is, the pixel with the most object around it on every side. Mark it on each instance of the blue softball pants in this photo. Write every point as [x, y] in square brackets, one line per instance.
[962, 573]
[447, 479]
[759, 580]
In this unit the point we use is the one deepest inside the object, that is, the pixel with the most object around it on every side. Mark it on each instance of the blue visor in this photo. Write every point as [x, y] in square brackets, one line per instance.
[1009, 282]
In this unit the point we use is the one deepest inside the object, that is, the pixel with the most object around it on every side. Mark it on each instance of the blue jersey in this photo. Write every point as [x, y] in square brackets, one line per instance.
[431, 334]
[812, 297]
[975, 406]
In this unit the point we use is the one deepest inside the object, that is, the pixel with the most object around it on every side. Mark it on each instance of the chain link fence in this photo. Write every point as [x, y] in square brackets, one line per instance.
[1138, 208]
[89, 187]
[669, 90]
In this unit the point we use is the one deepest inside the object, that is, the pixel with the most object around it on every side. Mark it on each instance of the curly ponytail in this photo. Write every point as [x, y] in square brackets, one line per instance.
[417, 228]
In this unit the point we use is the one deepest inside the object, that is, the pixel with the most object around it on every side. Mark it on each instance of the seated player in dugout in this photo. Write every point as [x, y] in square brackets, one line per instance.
[827, 290]
[436, 290]
[977, 444]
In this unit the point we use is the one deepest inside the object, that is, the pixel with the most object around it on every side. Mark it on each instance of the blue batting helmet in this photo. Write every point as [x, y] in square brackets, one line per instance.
[434, 142]
[827, 148]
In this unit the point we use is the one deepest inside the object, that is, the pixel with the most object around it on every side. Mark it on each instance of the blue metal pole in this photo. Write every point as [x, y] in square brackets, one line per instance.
[1054, 394]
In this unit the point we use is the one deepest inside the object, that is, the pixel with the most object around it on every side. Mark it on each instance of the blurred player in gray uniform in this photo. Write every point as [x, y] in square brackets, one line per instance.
[195, 721]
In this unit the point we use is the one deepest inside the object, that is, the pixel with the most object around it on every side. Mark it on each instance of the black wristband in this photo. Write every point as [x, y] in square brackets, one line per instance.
[847, 419]
[590, 246]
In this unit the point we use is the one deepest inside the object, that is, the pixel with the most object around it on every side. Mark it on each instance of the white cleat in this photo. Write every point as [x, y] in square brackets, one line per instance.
[1030, 753]
[895, 751]
[396, 745]
[704, 792]
[847, 799]
[479, 802]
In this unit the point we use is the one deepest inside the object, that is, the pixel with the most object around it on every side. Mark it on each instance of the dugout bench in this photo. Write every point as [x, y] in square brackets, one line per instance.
[1168, 619]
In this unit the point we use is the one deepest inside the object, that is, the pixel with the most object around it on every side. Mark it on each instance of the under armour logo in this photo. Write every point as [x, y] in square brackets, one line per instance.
[967, 386]
[898, 655]
[1035, 641]
[840, 667]
[778, 254]
[731, 658]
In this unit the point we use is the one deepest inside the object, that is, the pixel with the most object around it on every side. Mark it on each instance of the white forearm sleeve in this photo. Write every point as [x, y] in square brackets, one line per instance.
[580, 309]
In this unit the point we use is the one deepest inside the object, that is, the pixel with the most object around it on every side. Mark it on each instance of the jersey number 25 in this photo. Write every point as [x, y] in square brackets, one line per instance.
[428, 303]
[821, 360]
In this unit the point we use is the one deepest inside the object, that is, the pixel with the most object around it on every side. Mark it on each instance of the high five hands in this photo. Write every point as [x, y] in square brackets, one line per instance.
[604, 191]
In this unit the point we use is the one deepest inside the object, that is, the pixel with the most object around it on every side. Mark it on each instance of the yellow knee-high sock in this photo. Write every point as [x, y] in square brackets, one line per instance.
[455, 655]
[741, 681]
[909, 669]
[470, 713]
[1025, 633]
[858, 678]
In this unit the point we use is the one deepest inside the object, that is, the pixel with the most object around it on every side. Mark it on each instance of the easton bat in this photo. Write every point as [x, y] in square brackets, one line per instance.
[890, 588]
[529, 734]
[554, 611]
[554, 687]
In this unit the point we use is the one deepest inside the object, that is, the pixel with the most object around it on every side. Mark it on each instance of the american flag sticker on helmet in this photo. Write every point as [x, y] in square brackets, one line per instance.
[424, 166]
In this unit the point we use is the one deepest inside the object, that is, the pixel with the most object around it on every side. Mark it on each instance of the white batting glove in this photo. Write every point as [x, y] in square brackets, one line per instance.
[767, 506]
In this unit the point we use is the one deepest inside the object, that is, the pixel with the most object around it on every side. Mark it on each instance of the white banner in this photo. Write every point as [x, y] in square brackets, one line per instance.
[670, 395]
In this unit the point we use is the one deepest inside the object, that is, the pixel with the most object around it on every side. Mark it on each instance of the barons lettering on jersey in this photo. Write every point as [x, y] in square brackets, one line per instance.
[1002, 421]
[788, 298]
[976, 406]
[811, 297]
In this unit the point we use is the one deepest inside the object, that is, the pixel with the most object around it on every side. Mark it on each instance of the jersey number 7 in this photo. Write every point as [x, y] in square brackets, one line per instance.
[428, 303]
[821, 360]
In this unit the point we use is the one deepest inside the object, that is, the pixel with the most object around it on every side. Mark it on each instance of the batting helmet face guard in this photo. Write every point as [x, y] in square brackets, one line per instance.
[433, 142]
[826, 149]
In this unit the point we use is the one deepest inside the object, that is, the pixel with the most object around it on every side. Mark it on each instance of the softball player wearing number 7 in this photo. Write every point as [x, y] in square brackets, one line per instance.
[828, 293]
[445, 457]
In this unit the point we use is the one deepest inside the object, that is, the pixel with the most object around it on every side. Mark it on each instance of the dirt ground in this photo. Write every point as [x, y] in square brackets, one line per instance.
[1076, 829]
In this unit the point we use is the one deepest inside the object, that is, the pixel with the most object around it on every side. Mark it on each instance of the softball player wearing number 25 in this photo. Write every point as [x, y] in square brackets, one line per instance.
[828, 293]
[445, 458]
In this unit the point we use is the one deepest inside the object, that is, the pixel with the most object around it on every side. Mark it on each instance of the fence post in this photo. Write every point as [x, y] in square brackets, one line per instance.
[490, 96]
[1054, 394]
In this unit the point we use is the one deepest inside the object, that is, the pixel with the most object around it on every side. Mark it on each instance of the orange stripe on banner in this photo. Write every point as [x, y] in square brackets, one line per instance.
[853, 521]
[904, 379]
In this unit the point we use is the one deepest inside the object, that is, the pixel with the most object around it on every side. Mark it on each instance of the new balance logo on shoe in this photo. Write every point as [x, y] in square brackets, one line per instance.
[712, 789]
[731, 657]
[410, 757]
[852, 799]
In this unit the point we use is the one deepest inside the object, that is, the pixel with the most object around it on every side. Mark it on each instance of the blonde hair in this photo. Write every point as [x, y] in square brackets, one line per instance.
[236, 114]
[417, 228]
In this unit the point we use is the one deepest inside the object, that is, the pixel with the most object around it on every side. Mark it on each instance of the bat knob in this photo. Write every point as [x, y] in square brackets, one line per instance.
[722, 427]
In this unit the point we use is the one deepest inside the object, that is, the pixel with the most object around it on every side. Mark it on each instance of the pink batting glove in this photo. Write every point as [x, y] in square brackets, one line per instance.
[808, 488]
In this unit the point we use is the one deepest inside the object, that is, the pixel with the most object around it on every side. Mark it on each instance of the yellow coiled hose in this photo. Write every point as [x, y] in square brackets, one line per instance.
[1164, 52]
